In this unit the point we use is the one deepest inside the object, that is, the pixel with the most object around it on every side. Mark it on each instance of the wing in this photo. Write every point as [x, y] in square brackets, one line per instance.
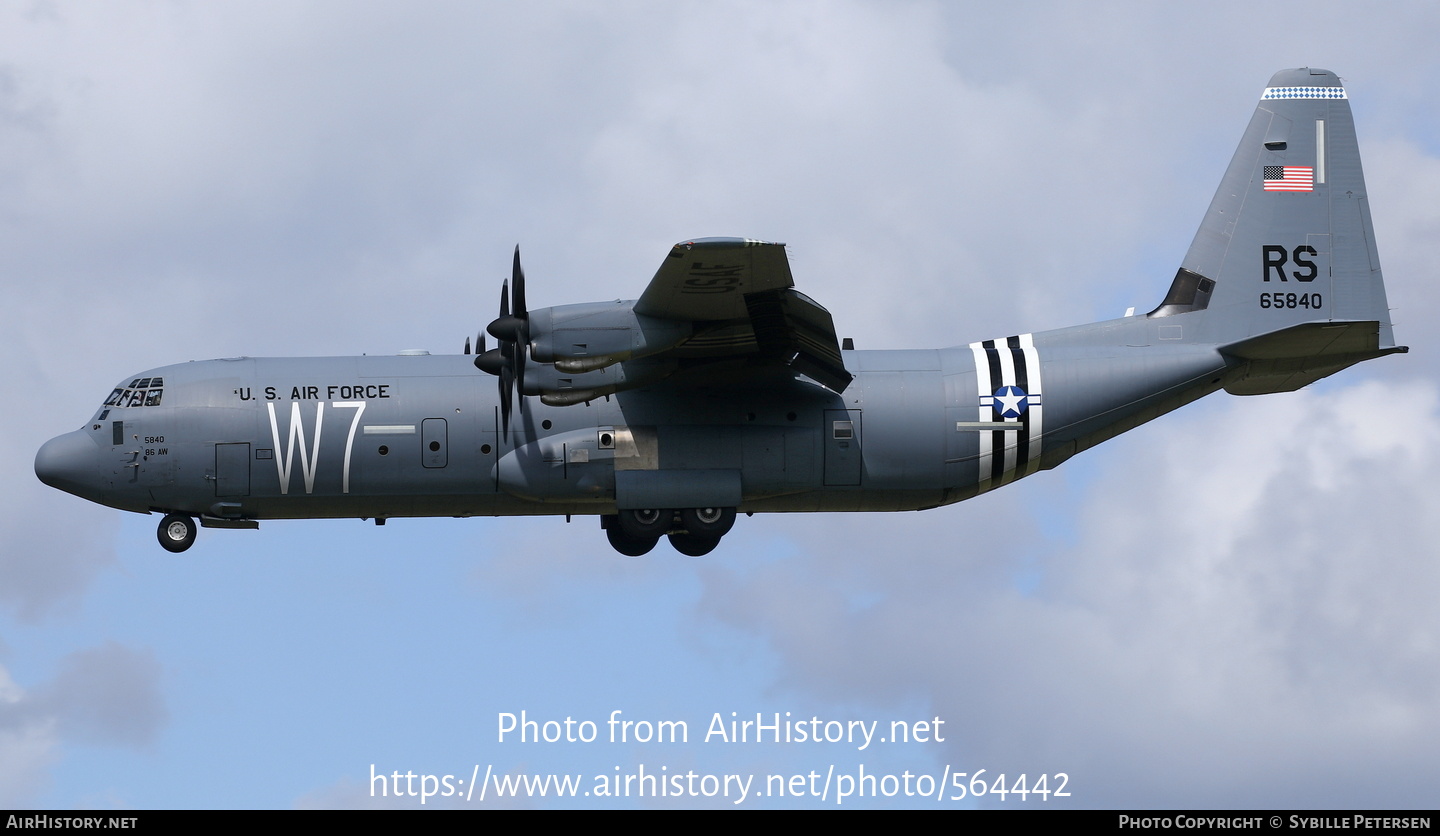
[740, 299]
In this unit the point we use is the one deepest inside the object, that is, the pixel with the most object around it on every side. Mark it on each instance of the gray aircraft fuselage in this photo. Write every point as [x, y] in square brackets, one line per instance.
[723, 390]
[402, 436]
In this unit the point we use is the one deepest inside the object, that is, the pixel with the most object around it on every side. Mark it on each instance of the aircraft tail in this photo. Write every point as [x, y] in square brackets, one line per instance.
[1284, 276]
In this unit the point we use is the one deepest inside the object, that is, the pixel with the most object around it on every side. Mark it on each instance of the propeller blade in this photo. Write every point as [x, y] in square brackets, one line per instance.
[518, 326]
[518, 275]
[520, 371]
[467, 345]
[507, 384]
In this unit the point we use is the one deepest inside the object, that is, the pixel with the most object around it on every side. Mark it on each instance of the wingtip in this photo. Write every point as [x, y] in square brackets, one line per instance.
[724, 243]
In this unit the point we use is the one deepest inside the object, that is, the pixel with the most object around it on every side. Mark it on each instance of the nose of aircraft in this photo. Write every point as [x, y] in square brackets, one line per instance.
[68, 462]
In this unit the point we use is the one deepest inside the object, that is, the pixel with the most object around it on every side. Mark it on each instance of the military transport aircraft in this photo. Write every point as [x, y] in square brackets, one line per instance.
[722, 389]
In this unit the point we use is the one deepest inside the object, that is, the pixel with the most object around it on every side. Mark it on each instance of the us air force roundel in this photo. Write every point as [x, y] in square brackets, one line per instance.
[1007, 375]
[1010, 401]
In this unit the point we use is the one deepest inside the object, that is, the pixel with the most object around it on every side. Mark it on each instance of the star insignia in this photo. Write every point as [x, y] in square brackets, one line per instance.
[1011, 401]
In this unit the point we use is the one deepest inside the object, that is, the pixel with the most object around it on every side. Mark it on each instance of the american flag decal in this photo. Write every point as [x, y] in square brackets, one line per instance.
[1289, 178]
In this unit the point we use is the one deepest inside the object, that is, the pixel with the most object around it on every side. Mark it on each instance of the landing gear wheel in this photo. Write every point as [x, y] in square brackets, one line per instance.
[692, 545]
[645, 523]
[176, 532]
[627, 545]
[712, 523]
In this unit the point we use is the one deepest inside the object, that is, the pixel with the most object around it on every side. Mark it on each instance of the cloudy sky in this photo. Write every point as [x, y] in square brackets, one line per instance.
[1233, 606]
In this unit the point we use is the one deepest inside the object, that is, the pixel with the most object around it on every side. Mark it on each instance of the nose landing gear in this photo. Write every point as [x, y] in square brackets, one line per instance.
[176, 532]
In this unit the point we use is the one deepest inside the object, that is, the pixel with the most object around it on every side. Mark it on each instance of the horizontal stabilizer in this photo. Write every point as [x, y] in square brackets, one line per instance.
[1289, 359]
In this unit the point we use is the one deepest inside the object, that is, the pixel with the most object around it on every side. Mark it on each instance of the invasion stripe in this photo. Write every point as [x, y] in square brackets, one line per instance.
[1035, 414]
[1007, 378]
[1022, 380]
[1003, 458]
[997, 439]
[985, 413]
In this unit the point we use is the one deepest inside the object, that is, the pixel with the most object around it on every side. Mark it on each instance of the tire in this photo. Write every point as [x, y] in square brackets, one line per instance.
[645, 523]
[692, 545]
[176, 532]
[627, 545]
[708, 522]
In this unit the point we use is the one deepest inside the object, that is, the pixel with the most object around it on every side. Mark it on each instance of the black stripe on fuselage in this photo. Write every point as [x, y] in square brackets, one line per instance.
[1022, 380]
[997, 437]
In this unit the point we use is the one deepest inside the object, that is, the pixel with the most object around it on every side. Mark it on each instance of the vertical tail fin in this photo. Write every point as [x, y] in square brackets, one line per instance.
[1284, 271]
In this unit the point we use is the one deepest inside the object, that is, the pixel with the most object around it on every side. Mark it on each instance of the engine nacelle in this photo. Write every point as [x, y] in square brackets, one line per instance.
[559, 388]
[584, 338]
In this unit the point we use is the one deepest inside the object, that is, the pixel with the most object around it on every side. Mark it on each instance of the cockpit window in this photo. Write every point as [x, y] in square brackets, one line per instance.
[142, 391]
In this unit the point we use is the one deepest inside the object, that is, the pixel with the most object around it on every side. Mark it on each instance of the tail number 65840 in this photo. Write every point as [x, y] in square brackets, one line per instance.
[1290, 300]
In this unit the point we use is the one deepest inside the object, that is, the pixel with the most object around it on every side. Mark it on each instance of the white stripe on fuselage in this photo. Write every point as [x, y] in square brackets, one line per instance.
[1036, 409]
[985, 412]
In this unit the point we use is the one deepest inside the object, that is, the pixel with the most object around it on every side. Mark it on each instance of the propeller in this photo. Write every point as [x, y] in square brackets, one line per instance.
[511, 331]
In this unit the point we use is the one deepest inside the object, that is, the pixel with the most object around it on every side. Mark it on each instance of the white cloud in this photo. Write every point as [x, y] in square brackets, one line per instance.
[107, 695]
[28, 747]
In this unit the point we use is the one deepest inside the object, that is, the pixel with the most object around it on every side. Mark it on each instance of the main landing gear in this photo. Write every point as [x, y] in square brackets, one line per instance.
[692, 531]
[177, 532]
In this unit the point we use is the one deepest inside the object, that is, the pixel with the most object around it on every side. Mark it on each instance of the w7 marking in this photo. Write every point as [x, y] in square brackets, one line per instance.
[310, 460]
